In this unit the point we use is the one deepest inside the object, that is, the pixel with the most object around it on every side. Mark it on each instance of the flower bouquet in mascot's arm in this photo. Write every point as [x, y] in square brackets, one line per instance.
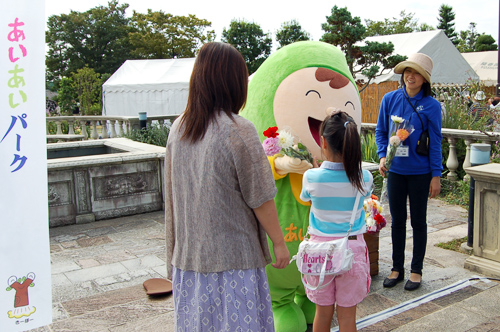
[284, 143]
[288, 98]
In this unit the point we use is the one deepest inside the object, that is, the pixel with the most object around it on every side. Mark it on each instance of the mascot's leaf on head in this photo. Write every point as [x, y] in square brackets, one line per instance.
[297, 87]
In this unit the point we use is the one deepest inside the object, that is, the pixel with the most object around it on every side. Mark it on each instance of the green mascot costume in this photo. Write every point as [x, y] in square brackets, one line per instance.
[296, 88]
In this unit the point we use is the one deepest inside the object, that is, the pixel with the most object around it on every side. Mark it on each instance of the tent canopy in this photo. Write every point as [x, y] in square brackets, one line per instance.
[450, 66]
[485, 65]
[158, 87]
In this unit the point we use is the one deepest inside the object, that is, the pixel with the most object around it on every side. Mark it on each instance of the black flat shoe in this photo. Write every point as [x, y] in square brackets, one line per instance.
[412, 285]
[389, 283]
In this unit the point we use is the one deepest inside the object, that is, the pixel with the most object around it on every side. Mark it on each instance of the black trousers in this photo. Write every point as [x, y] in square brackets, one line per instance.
[416, 188]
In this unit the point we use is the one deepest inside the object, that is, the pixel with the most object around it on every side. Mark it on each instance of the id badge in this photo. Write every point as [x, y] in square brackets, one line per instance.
[402, 151]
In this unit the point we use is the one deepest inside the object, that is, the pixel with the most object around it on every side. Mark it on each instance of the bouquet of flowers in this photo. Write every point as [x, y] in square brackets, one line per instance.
[373, 218]
[284, 142]
[400, 130]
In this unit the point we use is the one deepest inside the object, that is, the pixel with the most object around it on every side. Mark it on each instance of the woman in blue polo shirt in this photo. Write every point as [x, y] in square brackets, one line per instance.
[411, 174]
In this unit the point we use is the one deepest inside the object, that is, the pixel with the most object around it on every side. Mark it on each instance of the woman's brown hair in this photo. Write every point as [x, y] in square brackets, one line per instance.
[219, 82]
[341, 134]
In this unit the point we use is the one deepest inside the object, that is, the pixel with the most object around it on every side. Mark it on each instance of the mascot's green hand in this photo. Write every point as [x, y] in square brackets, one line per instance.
[286, 164]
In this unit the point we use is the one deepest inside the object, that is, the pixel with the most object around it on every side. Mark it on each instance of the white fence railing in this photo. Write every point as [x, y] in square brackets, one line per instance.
[452, 136]
[110, 126]
[118, 126]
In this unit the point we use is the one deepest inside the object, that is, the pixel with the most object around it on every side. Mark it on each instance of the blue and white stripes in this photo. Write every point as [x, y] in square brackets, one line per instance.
[333, 197]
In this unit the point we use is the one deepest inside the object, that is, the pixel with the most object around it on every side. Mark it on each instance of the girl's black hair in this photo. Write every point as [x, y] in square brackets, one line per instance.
[341, 134]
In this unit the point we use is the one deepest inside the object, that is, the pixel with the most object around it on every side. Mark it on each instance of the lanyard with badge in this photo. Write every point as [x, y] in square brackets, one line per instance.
[404, 150]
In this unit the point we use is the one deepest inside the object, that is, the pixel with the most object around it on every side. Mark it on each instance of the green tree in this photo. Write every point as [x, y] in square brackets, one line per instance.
[97, 38]
[66, 97]
[425, 27]
[404, 24]
[291, 32]
[485, 43]
[467, 40]
[159, 35]
[445, 19]
[250, 41]
[88, 85]
[370, 60]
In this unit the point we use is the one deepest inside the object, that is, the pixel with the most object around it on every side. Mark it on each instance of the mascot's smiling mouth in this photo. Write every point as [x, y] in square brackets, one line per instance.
[314, 128]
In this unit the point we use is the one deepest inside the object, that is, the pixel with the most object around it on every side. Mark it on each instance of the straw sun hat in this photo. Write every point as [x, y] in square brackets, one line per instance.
[418, 61]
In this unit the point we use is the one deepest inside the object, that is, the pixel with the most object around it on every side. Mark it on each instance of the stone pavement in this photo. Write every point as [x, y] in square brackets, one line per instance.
[98, 270]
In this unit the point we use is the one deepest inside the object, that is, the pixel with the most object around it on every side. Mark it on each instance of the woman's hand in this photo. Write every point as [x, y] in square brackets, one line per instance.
[268, 218]
[435, 187]
[282, 255]
[381, 166]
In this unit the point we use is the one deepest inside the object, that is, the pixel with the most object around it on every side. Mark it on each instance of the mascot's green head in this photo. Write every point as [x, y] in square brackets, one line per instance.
[297, 87]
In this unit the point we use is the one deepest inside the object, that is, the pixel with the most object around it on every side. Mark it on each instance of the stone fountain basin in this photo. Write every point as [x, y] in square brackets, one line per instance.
[102, 179]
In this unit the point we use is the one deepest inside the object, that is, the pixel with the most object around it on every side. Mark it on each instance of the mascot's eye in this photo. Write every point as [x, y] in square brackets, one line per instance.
[314, 92]
[351, 104]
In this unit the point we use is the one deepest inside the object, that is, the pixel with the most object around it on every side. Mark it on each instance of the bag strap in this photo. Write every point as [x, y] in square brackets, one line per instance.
[354, 211]
[415, 110]
[323, 267]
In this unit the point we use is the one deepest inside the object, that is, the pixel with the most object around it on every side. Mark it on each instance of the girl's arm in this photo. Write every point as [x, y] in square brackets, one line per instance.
[268, 218]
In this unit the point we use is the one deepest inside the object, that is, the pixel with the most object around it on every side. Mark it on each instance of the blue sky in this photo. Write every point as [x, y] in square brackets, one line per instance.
[270, 14]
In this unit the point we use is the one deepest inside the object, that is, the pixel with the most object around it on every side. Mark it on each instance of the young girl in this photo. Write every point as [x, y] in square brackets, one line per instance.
[332, 190]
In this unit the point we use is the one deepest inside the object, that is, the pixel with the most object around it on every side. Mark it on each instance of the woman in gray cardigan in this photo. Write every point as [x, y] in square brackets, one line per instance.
[219, 204]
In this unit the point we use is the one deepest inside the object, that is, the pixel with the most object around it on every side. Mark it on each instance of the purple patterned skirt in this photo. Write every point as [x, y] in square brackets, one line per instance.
[234, 300]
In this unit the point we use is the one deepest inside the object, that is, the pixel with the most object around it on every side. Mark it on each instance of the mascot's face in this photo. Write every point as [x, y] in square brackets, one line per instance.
[305, 98]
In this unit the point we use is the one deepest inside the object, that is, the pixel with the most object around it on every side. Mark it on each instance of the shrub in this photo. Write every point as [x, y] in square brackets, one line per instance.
[155, 134]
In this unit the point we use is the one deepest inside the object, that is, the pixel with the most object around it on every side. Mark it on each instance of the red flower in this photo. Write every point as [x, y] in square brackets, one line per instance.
[380, 219]
[271, 132]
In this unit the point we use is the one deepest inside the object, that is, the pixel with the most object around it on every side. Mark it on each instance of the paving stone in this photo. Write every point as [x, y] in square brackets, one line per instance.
[60, 280]
[373, 303]
[482, 303]
[148, 261]
[410, 315]
[114, 316]
[96, 272]
[491, 325]
[457, 296]
[64, 266]
[160, 323]
[103, 300]
[70, 244]
[114, 256]
[55, 248]
[58, 312]
[93, 241]
[449, 319]
[86, 263]
[100, 231]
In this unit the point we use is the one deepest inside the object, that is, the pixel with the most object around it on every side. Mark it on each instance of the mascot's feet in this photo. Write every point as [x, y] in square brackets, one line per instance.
[307, 307]
[289, 318]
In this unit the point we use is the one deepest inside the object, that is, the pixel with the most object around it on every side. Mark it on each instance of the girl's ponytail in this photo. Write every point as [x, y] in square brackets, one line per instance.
[352, 158]
[341, 133]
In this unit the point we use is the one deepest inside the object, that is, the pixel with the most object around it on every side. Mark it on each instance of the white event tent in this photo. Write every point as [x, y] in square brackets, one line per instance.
[485, 64]
[158, 87]
[450, 67]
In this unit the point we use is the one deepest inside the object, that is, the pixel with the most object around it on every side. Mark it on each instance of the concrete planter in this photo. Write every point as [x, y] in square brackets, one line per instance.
[125, 179]
[486, 242]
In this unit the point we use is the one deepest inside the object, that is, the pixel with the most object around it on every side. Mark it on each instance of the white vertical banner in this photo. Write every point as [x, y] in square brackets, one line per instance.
[25, 280]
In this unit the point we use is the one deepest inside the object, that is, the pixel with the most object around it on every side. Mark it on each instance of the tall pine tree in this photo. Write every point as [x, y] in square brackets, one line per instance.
[445, 19]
